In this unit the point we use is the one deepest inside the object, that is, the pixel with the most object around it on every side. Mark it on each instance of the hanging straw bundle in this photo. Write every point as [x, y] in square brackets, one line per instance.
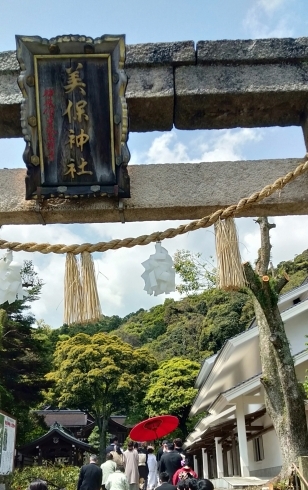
[91, 310]
[72, 291]
[230, 274]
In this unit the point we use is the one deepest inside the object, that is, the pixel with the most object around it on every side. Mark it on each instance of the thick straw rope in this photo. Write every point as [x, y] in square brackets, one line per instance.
[230, 211]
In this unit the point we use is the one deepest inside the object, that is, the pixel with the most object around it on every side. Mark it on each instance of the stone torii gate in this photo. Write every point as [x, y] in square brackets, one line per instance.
[220, 84]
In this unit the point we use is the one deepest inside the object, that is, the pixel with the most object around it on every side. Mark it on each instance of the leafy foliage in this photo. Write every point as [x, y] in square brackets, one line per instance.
[106, 324]
[172, 391]
[24, 357]
[297, 270]
[196, 274]
[57, 477]
[100, 373]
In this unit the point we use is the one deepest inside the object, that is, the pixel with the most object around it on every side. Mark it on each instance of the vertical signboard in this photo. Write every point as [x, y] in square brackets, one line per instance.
[74, 116]
[7, 443]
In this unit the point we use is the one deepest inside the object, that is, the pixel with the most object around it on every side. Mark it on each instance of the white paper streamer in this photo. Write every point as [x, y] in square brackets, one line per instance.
[159, 274]
[10, 280]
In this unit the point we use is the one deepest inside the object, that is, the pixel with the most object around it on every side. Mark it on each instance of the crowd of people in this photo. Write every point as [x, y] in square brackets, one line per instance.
[138, 468]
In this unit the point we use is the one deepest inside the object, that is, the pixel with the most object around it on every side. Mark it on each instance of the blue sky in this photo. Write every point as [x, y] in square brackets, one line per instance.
[119, 281]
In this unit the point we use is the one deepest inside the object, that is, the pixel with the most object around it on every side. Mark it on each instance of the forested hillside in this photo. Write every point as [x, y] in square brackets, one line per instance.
[191, 329]
[194, 327]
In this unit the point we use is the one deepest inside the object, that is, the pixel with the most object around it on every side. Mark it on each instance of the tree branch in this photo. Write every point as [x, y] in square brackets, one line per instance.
[262, 263]
[281, 282]
[251, 278]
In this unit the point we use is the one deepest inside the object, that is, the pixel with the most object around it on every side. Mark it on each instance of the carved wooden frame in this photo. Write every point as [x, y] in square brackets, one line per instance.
[28, 48]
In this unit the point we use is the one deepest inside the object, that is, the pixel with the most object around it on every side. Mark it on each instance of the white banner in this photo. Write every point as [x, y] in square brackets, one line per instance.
[7, 443]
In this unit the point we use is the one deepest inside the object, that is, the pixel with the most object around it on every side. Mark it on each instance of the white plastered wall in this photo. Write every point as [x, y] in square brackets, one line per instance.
[271, 463]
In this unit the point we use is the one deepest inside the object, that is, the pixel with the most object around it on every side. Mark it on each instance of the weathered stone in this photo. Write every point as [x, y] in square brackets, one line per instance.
[253, 51]
[220, 96]
[150, 98]
[236, 83]
[165, 192]
[10, 96]
[8, 62]
[171, 54]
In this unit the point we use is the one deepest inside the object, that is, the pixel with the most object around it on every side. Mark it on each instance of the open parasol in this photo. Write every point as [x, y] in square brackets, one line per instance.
[154, 428]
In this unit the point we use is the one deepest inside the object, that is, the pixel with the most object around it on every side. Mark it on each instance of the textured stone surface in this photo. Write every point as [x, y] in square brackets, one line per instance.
[220, 96]
[235, 84]
[150, 98]
[8, 62]
[180, 53]
[253, 51]
[165, 192]
[10, 95]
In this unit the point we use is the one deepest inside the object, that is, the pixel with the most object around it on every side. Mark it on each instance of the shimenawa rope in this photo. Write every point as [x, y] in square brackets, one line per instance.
[205, 222]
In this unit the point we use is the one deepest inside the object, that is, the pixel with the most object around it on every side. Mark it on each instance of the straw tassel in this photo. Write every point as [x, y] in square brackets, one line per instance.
[81, 301]
[91, 305]
[72, 291]
[229, 268]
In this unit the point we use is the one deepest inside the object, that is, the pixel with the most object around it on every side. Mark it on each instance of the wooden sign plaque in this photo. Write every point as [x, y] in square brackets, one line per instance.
[74, 116]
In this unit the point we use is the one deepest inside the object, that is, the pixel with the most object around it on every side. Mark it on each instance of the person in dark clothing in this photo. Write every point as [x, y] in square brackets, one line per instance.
[192, 484]
[164, 479]
[160, 452]
[114, 446]
[205, 484]
[90, 476]
[178, 446]
[170, 461]
[182, 485]
[38, 485]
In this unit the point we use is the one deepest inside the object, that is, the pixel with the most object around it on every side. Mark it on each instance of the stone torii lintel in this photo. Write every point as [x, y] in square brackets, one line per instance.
[213, 85]
[164, 192]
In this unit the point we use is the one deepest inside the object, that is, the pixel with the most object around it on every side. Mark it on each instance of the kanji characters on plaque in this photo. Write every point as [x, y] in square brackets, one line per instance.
[76, 111]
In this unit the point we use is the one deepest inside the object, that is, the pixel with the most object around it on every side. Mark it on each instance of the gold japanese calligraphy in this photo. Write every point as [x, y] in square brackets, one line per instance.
[76, 111]
[78, 140]
[71, 168]
[74, 80]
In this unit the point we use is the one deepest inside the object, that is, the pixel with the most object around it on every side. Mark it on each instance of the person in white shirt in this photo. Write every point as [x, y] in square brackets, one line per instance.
[107, 468]
[152, 465]
[117, 480]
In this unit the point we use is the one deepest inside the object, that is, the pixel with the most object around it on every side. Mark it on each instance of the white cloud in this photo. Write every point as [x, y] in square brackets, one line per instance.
[271, 6]
[269, 18]
[224, 145]
[229, 145]
[164, 149]
[119, 272]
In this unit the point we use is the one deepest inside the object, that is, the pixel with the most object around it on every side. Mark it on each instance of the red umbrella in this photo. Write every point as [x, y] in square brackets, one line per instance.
[154, 428]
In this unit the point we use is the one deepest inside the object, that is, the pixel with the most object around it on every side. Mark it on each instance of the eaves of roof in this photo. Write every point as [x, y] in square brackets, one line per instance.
[60, 433]
[239, 338]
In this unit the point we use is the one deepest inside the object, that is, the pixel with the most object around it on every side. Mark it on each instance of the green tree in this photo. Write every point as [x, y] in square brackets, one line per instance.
[105, 324]
[171, 390]
[284, 397]
[24, 356]
[101, 374]
[196, 273]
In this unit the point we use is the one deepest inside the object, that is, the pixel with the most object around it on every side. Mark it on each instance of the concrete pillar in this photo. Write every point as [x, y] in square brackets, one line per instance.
[205, 464]
[242, 438]
[195, 464]
[219, 460]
